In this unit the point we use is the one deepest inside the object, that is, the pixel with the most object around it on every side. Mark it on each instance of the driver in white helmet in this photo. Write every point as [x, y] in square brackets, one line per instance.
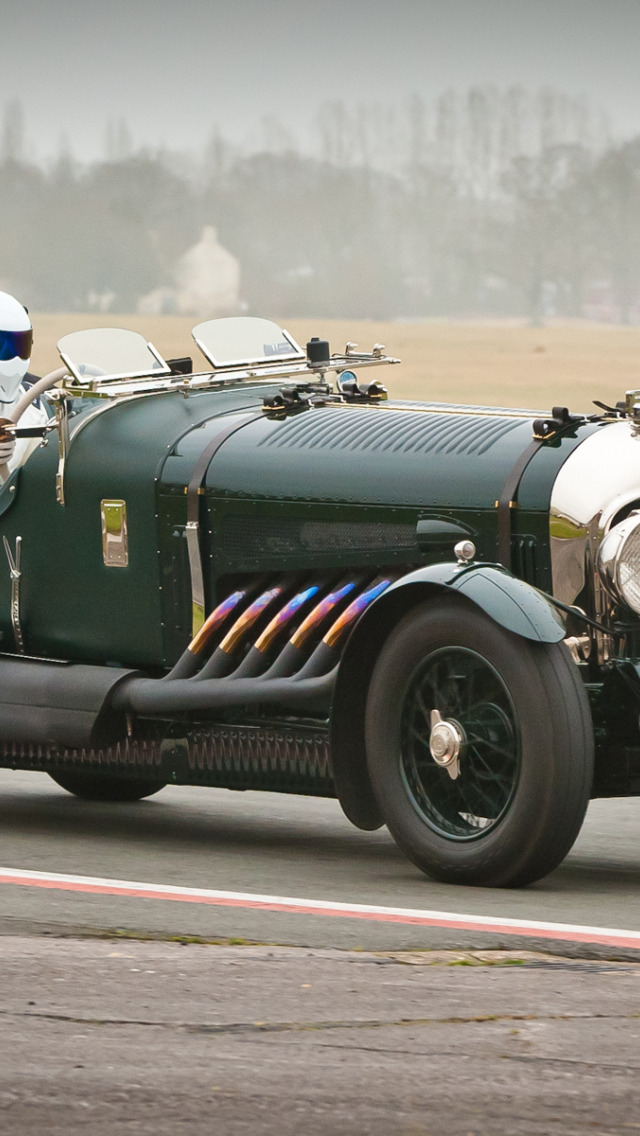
[16, 340]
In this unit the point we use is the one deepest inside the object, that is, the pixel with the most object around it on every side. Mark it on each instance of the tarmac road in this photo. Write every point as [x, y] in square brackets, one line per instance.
[159, 1039]
[277, 845]
[108, 1028]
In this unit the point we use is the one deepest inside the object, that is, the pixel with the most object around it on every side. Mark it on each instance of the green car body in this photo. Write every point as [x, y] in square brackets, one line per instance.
[162, 627]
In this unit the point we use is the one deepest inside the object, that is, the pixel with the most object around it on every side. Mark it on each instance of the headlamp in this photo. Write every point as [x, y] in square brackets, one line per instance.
[619, 561]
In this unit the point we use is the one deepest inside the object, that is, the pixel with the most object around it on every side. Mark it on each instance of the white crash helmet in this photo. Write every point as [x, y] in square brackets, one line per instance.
[16, 341]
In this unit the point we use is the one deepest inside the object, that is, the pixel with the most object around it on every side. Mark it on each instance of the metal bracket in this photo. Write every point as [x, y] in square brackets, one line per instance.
[115, 540]
[62, 405]
[352, 392]
[197, 578]
[16, 574]
[291, 400]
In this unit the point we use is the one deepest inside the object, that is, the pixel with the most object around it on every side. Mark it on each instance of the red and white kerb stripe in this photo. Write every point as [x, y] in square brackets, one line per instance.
[491, 924]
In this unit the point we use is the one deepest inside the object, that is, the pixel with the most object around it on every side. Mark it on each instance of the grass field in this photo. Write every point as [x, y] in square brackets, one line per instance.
[505, 364]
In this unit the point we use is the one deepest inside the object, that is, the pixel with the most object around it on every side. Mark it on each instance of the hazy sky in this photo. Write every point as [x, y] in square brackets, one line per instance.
[173, 68]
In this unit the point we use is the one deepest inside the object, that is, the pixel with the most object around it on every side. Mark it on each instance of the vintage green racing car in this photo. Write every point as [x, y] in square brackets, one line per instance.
[266, 574]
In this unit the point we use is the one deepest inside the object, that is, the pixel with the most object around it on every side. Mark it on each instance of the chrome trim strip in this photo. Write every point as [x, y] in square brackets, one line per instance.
[67, 435]
[197, 578]
[62, 423]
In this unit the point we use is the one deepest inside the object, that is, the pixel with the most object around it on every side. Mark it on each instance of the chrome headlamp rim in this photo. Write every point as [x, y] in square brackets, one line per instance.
[612, 561]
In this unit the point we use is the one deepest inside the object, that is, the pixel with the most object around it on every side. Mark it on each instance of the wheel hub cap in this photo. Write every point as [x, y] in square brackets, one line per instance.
[445, 742]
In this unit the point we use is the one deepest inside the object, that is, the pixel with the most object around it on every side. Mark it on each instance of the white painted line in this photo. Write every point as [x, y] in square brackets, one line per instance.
[532, 928]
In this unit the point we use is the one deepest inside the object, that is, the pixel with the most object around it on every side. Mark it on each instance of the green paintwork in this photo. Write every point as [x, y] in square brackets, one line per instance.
[332, 487]
[388, 465]
[73, 606]
[508, 601]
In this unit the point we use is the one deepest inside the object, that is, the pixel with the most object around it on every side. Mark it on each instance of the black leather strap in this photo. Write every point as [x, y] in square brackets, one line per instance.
[508, 500]
[544, 429]
[206, 457]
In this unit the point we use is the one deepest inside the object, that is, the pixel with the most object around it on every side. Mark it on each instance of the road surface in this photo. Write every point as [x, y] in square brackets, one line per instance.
[281, 846]
[125, 1009]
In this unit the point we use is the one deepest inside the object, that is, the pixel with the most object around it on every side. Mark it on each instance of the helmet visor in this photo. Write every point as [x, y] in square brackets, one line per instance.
[15, 344]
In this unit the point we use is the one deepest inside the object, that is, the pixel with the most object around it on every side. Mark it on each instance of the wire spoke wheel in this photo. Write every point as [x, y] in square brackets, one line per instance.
[479, 746]
[467, 690]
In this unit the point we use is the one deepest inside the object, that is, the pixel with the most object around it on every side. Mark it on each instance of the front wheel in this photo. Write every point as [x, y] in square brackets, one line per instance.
[479, 747]
[96, 787]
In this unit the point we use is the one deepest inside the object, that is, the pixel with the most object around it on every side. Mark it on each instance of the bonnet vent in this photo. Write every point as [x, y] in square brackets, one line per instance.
[248, 542]
[375, 431]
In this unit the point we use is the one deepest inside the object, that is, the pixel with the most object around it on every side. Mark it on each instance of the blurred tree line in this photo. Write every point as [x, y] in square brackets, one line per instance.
[489, 203]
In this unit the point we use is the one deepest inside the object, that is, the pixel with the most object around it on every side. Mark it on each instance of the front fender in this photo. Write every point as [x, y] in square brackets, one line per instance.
[510, 602]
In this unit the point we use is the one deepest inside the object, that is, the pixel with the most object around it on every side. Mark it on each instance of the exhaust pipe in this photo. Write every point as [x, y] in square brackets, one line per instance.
[327, 654]
[310, 688]
[254, 661]
[292, 657]
[155, 698]
[221, 661]
[85, 706]
[189, 661]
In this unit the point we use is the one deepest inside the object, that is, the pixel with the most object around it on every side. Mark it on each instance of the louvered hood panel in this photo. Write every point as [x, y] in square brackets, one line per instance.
[390, 454]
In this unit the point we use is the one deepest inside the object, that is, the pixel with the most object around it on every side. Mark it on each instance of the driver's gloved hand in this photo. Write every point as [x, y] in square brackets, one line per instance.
[7, 446]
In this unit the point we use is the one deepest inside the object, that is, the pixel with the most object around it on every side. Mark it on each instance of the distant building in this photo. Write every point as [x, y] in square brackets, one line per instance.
[206, 283]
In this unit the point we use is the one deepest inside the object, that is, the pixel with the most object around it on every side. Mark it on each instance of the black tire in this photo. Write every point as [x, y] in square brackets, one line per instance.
[526, 758]
[96, 787]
